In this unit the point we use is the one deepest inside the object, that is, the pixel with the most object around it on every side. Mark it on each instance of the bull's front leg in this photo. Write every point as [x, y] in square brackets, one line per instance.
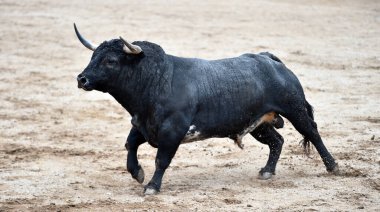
[169, 139]
[134, 140]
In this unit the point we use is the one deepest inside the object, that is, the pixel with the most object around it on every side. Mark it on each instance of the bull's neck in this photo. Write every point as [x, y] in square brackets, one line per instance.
[130, 101]
[139, 92]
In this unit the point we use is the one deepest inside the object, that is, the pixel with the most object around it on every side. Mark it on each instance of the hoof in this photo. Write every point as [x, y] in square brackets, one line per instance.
[150, 190]
[265, 175]
[335, 170]
[140, 176]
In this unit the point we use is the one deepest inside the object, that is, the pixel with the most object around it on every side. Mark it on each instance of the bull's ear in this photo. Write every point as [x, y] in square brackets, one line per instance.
[130, 48]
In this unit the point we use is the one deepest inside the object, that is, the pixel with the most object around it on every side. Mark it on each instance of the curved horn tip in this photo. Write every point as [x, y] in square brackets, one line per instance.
[75, 27]
[122, 39]
[85, 42]
[130, 48]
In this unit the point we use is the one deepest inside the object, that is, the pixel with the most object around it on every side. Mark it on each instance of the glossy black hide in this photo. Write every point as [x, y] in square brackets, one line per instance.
[174, 100]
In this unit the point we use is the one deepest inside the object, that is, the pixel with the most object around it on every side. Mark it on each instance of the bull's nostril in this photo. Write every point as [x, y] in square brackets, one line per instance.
[83, 80]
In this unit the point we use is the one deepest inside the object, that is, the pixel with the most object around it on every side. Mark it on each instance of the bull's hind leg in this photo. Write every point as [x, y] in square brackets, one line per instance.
[302, 120]
[134, 140]
[266, 134]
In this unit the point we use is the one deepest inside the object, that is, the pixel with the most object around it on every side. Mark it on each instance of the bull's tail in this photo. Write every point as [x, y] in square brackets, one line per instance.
[310, 110]
[306, 141]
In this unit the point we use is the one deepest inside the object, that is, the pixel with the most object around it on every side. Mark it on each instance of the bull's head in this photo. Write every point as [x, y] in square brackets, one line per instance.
[107, 62]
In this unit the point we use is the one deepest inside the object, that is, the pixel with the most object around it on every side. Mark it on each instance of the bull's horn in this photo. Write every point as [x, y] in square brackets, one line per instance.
[85, 42]
[130, 48]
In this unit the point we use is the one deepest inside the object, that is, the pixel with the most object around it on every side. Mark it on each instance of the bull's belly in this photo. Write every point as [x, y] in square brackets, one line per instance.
[215, 129]
[196, 133]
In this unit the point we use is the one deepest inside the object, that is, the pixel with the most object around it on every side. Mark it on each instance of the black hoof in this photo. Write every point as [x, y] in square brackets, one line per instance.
[150, 189]
[139, 175]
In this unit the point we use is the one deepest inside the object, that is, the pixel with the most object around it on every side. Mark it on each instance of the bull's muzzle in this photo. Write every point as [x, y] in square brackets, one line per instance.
[83, 83]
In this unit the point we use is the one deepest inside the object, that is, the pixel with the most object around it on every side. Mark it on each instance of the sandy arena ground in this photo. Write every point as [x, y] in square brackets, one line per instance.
[63, 149]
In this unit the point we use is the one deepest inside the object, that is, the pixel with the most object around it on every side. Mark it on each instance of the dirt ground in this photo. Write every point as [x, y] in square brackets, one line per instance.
[63, 149]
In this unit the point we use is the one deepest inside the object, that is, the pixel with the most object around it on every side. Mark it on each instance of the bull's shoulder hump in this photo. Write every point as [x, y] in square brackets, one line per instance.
[203, 60]
[271, 56]
[250, 55]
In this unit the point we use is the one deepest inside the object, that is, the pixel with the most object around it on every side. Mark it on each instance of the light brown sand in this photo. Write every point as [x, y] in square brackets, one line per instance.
[63, 149]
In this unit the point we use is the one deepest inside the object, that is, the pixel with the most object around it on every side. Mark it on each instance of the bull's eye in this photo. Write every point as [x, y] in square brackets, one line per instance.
[111, 62]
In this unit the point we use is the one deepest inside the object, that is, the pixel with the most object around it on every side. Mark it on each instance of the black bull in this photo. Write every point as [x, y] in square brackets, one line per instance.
[174, 100]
